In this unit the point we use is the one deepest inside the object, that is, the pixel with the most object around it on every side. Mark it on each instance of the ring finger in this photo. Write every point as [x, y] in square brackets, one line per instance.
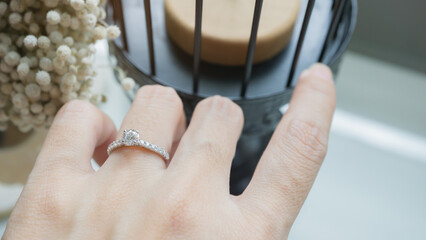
[157, 114]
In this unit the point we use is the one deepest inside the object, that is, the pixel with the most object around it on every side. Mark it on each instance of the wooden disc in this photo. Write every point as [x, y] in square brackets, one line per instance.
[226, 27]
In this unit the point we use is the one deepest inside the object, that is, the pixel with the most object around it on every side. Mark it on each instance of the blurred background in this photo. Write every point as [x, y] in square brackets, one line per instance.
[373, 182]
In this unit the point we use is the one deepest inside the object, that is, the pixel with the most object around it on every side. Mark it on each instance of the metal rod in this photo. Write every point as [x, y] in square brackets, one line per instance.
[118, 16]
[112, 4]
[251, 47]
[337, 12]
[197, 45]
[150, 37]
[302, 35]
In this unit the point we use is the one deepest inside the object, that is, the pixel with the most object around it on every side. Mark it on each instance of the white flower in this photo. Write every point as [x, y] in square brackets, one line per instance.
[65, 20]
[92, 4]
[55, 92]
[20, 100]
[75, 23]
[34, 28]
[30, 42]
[69, 41]
[12, 58]
[69, 79]
[15, 18]
[46, 57]
[23, 69]
[26, 60]
[28, 17]
[77, 4]
[128, 83]
[99, 32]
[53, 17]
[33, 91]
[16, 6]
[46, 64]
[43, 42]
[113, 32]
[63, 52]
[90, 20]
[101, 14]
[56, 37]
[3, 8]
[46, 88]
[50, 109]
[42, 78]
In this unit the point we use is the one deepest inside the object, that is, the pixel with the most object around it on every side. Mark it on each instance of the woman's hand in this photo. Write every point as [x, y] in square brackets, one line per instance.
[134, 195]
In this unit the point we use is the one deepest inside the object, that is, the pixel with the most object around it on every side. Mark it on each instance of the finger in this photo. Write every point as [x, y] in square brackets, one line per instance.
[208, 145]
[157, 114]
[294, 155]
[78, 129]
[101, 154]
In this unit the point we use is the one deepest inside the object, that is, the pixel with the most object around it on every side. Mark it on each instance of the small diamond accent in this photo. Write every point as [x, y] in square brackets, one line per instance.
[131, 137]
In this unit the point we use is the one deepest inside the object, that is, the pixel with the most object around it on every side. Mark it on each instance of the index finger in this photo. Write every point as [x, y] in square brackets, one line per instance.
[289, 165]
[79, 132]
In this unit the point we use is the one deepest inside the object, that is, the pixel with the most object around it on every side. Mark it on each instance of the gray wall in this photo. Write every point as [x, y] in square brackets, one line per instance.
[393, 30]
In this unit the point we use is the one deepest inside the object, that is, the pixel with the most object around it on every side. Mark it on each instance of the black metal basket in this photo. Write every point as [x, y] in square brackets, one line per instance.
[321, 34]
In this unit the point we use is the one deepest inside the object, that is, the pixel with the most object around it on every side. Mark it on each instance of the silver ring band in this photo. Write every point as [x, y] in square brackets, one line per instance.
[131, 138]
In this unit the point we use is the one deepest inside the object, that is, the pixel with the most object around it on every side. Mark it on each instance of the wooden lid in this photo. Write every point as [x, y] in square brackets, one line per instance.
[227, 25]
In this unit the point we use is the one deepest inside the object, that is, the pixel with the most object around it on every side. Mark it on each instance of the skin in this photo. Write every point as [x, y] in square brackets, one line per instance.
[134, 195]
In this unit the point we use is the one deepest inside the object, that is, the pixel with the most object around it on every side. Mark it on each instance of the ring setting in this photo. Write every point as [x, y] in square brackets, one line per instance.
[130, 138]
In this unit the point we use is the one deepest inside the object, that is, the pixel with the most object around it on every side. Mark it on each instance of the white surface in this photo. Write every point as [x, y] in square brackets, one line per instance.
[384, 92]
[9, 194]
[364, 193]
[379, 135]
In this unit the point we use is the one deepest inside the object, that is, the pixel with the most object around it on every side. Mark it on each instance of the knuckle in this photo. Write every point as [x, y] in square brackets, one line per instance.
[220, 101]
[210, 149]
[161, 94]
[223, 106]
[180, 214]
[76, 108]
[52, 204]
[307, 140]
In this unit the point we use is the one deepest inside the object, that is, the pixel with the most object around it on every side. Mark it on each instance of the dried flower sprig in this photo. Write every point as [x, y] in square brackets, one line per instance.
[46, 50]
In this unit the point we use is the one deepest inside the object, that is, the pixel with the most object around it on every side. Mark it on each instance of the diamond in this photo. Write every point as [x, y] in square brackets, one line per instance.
[130, 137]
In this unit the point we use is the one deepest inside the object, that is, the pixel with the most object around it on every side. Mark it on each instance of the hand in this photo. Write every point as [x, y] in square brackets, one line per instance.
[134, 195]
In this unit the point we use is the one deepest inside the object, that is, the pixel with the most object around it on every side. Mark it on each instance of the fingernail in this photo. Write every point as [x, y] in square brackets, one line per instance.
[321, 71]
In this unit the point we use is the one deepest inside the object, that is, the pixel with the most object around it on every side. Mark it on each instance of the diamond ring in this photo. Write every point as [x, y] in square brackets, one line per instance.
[131, 138]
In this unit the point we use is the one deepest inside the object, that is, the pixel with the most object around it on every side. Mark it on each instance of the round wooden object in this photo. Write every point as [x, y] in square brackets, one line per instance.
[226, 27]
